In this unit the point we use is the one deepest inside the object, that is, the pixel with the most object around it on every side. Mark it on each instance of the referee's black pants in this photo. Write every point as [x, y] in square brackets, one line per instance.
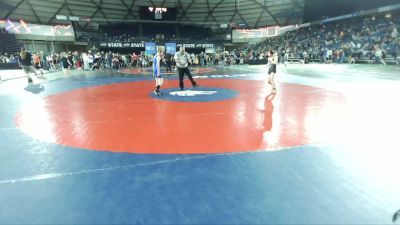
[182, 72]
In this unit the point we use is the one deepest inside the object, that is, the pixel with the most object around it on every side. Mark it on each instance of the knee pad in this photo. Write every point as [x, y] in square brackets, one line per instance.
[159, 81]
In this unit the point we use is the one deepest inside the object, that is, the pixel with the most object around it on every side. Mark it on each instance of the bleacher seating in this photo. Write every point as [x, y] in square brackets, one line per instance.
[8, 43]
[365, 39]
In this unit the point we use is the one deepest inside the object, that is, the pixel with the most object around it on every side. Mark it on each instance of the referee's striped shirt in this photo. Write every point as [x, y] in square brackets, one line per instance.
[182, 60]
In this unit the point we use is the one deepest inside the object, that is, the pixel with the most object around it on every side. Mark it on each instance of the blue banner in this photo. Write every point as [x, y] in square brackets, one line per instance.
[150, 48]
[170, 48]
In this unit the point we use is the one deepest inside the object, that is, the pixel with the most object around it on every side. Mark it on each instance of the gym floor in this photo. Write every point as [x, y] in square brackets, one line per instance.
[99, 147]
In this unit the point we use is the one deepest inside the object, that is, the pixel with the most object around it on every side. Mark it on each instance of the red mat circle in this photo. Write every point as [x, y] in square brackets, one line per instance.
[123, 117]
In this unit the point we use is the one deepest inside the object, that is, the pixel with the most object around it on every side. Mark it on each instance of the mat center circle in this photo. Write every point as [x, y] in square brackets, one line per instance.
[199, 94]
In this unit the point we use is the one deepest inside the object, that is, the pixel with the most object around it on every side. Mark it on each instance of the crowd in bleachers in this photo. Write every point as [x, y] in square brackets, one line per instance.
[370, 39]
[373, 39]
[8, 58]
[100, 60]
[122, 33]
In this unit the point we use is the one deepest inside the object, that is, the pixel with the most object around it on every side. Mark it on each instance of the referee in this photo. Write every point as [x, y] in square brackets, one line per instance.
[182, 60]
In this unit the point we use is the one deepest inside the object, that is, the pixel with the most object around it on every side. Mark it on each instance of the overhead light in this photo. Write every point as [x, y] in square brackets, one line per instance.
[74, 18]
[61, 17]
[388, 15]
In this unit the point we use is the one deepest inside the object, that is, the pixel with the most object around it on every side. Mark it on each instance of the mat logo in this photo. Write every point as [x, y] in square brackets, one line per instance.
[192, 93]
[199, 94]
